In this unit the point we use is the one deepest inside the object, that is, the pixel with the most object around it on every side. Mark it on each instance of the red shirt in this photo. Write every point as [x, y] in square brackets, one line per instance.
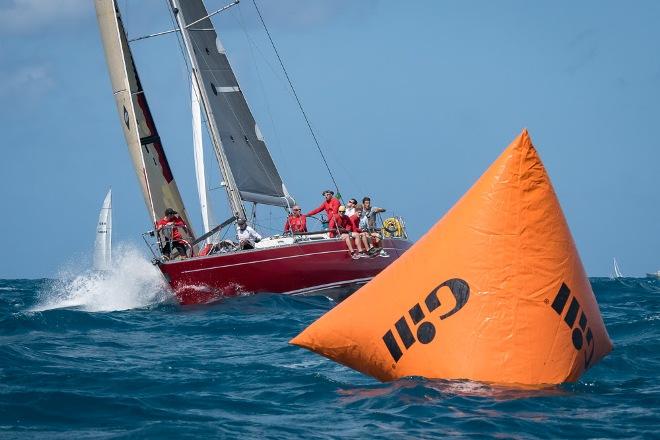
[348, 223]
[331, 208]
[355, 221]
[176, 221]
[296, 224]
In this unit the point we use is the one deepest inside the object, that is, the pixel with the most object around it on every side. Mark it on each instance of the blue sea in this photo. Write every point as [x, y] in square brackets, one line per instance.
[115, 357]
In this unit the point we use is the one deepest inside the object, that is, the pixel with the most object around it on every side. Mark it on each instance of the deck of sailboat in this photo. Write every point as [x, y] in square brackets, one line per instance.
[297, 268]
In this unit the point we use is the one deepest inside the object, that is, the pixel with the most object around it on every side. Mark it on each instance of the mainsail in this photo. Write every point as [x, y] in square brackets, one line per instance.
[244, 159]
[103, 242]
[153, 171]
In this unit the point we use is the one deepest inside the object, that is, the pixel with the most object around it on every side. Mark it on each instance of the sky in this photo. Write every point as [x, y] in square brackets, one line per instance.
[411, 102]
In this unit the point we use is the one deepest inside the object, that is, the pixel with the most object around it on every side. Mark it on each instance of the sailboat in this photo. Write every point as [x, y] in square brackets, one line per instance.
[103, 242]
[617, 270]
[291, 264]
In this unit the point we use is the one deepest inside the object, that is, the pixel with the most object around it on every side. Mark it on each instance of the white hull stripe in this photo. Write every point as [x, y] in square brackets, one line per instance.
[271, 259]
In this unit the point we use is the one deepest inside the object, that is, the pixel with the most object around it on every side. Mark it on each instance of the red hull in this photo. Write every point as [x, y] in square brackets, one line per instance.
[292, 269]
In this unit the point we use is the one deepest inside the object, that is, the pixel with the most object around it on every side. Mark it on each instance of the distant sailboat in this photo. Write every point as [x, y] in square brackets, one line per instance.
[617, 270]
[103, 243]
[653, 275]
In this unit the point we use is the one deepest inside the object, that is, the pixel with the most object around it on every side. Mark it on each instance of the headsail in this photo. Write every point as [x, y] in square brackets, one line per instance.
[198, 149]
[103, 242]
[153, 171]
[237, 138]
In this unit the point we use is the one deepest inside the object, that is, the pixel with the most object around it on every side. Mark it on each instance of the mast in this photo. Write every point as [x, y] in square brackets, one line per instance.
[233, 194]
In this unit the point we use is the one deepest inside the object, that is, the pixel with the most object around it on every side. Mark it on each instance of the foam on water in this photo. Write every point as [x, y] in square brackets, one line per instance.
[132, 282]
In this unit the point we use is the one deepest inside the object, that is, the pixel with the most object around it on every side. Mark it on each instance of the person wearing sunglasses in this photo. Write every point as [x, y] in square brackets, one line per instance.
[350, 207]
[296, 222]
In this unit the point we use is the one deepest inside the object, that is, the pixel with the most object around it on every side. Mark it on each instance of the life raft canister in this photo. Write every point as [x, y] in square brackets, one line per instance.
[392, 227]
[494, 292]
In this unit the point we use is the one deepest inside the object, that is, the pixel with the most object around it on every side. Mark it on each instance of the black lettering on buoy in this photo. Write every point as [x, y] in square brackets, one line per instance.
[392, 346]
[577, 333]
[426, 330]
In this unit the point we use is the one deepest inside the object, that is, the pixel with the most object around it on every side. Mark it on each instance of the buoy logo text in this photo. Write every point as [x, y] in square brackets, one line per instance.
[558, 305]
[424, 330]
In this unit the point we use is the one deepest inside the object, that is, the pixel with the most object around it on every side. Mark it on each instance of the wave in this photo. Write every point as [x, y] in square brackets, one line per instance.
[131, 283]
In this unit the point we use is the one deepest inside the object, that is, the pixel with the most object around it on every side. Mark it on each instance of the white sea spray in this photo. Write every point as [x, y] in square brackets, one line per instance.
[132, 282]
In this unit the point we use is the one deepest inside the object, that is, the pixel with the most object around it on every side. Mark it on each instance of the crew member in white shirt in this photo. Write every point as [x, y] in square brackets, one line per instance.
[247, 236]
[350, 207]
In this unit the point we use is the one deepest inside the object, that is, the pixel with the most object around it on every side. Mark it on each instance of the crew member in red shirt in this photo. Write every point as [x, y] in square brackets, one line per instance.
[169, 226]
[296, 222]
[349, 232]
[331, 207]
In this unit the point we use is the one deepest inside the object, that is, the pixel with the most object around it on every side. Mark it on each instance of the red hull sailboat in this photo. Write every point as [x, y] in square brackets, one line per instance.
[322, 266]
[293, 264]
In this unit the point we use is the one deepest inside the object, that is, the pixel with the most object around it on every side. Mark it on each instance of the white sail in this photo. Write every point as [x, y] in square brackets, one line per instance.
[198, 149]
[617, 270]
[244, 159]
[103, 243]
[159, 188]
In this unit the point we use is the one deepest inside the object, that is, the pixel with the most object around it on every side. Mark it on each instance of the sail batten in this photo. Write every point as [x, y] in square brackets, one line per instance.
[153, 171]
[246, 162]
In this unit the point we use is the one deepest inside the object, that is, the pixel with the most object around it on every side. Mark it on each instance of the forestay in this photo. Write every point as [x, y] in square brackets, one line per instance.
[251, 166]
[153, 171]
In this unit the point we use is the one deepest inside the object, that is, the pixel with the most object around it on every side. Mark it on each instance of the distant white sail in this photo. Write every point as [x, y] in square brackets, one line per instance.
[103, 243]
[198, 149]
[617, 270]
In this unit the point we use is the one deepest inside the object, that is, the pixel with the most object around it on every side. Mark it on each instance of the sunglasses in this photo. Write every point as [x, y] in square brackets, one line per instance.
[296, 209]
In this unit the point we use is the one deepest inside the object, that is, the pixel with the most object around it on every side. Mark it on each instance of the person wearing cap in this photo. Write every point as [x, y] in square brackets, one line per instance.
[296, 222]
[169, 226]
[350, 233]
[331, 206]
[247, 236]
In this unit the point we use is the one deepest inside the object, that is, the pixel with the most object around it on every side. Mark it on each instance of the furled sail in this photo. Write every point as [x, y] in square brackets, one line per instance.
[153, 171]
[251, 166]
[103, 242]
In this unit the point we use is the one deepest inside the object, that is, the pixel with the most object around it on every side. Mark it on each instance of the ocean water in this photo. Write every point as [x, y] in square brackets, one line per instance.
[116, 357]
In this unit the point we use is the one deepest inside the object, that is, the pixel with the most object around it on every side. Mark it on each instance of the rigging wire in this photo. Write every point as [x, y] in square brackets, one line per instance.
[302, 110]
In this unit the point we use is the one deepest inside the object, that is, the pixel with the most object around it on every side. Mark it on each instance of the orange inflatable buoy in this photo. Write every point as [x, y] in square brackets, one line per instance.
[494, 292]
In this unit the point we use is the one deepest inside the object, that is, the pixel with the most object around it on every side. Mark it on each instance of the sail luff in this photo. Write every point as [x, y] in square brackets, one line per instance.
[157, 182]
[236, 136]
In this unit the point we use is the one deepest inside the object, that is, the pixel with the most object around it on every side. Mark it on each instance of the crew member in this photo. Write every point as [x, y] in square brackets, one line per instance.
[296, 222]
[331, 206]
[369, 213]
[247, 236]
[169, 226]
[349, 232]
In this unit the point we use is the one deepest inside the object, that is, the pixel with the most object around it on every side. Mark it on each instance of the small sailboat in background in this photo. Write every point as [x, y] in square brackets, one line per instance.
[103, 243]
[655, 275]
[617, 270]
